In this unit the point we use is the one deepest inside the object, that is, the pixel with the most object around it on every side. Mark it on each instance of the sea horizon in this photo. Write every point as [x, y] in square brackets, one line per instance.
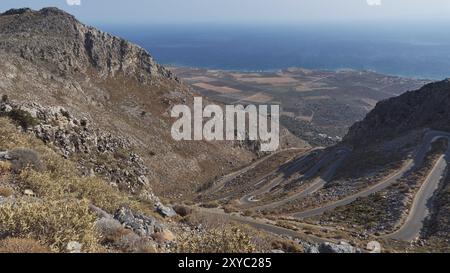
[384, 49]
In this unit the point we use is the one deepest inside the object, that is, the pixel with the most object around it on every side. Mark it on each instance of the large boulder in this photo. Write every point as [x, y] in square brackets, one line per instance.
[165, 210]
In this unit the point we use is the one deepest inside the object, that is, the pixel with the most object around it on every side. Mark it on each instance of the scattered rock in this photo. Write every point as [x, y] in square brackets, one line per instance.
[74, 247]
[312, 249]
[342, 247]
[140, 224]
[165, 210]
[5, 156]
[58, 127]
[29, 193]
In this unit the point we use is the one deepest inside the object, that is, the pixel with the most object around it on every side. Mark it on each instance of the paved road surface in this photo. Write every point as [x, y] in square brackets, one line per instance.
[268, 227]
[420, 208]
[219, 184]
[338, 157]
[419, 211]
[292, 167]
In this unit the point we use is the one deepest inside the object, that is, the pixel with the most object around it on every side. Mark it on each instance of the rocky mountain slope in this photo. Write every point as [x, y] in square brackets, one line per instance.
[63, 72]
[414, 110]
[86, 150]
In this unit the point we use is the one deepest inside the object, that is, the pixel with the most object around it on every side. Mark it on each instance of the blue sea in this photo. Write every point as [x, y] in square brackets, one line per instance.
[419, 51]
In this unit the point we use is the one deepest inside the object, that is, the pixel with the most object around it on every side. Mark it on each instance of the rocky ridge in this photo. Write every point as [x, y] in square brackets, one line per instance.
[82, 48]
[414, 110]
[79, 139]
[51, 59]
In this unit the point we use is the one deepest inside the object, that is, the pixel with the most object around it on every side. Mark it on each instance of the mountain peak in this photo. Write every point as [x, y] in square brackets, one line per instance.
[59, 40]
[44, 11]
[16, 11]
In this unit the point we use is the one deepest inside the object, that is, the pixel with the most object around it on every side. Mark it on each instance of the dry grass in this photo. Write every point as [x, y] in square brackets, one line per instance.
[6, 191]
[61, 179]
[287, 246]
[59, 213]
[25, 158]
[54, 223]
[182, 210]
[54, 187]
[125, 240]
[19, 245]
[5, 167]
[228, 240]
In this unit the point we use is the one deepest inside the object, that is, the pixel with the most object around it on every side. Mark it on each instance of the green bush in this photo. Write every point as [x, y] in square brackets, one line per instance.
[23, 118]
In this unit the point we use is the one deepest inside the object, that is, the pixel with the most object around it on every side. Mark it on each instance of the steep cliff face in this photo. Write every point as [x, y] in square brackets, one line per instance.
[52, 60]
[428, 107]
[53, 37]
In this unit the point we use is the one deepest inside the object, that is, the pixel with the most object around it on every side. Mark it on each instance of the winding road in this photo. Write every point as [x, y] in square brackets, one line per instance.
[264, 225]
[333, 160]
[219, 184]
[419, 211]
[295, 166]
[420, 208]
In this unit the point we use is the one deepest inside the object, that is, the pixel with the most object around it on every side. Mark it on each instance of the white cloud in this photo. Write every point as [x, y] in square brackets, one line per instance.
[374, 2]
[73, 2]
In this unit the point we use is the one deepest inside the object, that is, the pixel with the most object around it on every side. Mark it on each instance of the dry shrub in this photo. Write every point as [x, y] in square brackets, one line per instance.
[206, 220]
[211, 205]
[6, 191]
[287, 246]
[22, 118]
[51, 186]
[228, 240]
[5, 167]
[132, 243]
[54, 223]
[21, 245]
[99, 192]
[61, 180]
[182, 210]
[229, 209]
[22, 158]
[248, 213]
[113, 233]
[110, 229]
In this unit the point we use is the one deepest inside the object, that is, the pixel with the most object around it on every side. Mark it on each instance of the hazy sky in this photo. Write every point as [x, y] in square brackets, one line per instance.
[235, 11]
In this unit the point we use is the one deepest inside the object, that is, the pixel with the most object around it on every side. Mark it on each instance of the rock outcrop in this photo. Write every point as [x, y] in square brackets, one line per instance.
[140, 224]
[79, 139]
[73, 46]
[119, 99]
[427, 107]
[327, 247]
